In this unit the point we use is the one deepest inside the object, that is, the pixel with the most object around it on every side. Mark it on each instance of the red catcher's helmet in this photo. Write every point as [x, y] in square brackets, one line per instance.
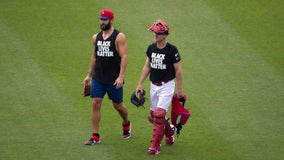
[159, 27]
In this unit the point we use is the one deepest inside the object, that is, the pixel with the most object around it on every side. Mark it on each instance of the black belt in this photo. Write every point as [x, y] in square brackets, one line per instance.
[160, 83]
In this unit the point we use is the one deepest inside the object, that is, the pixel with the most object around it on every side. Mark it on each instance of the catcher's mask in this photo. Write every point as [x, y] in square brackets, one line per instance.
[159, 27]
[138, 98]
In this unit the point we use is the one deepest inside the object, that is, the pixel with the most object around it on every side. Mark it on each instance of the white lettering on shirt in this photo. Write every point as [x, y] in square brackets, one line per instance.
[104, 49]
[157, 60]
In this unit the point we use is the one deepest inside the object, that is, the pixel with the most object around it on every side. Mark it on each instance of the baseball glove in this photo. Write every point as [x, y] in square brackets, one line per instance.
[138, 98]
[86, 89]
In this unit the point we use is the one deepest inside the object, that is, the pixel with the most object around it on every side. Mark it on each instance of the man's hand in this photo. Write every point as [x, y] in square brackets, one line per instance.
[86, 80]
[179, 92]
[118, 82]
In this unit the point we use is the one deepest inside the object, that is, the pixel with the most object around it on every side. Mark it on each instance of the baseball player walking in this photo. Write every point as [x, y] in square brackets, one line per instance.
[163, 64]
[107, 66]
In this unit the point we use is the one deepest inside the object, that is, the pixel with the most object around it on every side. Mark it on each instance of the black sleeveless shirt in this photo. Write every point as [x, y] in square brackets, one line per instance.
[107, 65]
[162, 62]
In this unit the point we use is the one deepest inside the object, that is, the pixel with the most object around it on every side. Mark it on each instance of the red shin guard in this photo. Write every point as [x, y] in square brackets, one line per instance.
[158, 129]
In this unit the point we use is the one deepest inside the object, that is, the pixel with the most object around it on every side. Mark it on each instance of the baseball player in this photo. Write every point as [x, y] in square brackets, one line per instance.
[163, 64]
[107, 67]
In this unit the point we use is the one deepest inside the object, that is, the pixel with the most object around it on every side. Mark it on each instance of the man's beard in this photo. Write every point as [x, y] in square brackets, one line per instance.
[105, 27]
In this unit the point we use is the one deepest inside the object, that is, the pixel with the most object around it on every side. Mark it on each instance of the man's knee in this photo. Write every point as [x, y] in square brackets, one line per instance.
[120, 107]
[159, 116]
[96, 103]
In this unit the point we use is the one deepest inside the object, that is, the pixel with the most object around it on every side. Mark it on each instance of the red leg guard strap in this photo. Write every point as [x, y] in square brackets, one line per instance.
[151, 117]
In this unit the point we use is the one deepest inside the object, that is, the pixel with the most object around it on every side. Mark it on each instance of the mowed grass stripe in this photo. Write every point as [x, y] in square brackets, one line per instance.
[242, 90]
[37, 121]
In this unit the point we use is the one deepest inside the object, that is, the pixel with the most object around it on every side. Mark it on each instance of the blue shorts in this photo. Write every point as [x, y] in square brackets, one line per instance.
[98, 90]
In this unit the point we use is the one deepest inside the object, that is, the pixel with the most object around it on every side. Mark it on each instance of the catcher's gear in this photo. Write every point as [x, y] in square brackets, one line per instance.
[86, 89]
[138, 98]
[159, 27]
[158, 128]
[179, 112]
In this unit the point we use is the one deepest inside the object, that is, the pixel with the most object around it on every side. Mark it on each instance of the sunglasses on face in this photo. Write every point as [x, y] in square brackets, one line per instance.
[104, 19]
[159, 33]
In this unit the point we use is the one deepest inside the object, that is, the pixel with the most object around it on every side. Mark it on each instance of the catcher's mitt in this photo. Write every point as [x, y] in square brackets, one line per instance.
[86, 89]
[138, 98]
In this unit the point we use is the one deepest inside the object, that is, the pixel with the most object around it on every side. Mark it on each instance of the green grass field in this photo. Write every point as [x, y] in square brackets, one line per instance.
[233, 73]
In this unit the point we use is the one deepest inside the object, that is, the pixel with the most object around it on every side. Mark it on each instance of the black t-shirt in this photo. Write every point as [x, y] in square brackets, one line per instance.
[107, 65]
[162, 62]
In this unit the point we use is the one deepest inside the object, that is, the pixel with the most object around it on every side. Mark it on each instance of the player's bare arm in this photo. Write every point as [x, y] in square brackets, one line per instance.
[121, 46]
[144, 74]
[178, 71]
[92, 62]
